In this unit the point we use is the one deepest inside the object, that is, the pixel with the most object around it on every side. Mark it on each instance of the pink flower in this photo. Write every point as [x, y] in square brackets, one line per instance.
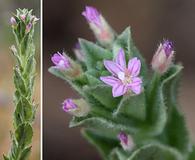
[124, 78]
[163, 57]
[60, 61]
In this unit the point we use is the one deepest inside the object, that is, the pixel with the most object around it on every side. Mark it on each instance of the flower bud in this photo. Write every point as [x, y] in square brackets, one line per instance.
[78, 52]
[126, 141]
[78, 108]
[23, 17]
[99, 26]
[61, 61]
[13, 49]
[28, 27]
[33, 19]
[69, 105]
[163, 57]
[13, 22]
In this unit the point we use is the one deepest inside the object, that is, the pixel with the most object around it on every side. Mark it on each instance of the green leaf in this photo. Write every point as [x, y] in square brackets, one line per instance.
[92, 80]
[24, 134]
[118, 154]
[25, 153]
[144, 67]
[30, 65]
[103, 145]
[19, 82]
[123, 41]
[156, 109]
[192, 154]
[62, 74]
[93, 53]
[59, 73]
[155, 152]
[103, 94]
[5, 157]
[132, 106]
[101, 124]
[175, 133]
[24, 109]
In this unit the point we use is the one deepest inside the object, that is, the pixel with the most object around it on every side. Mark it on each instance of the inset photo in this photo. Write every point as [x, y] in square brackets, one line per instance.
[20, 84]
[118, 80]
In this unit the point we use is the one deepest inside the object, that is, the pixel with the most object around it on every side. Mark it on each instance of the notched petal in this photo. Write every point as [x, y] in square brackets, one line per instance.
[134, 66]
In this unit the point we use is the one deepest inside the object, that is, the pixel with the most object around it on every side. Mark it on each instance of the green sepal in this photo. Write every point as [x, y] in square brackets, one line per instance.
[155, 152]
[93, 53]
[132, 106]
[103, 145]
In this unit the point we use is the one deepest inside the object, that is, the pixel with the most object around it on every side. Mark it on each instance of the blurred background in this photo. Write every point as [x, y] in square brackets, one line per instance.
[151, 21]
[6, 77]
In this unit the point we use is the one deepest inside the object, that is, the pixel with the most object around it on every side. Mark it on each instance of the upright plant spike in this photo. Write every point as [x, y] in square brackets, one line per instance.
[23, 23]
[129, 114]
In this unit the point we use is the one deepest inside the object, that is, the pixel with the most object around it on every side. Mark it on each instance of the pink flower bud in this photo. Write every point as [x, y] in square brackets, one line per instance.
[61, 61]
[13, 21]
[126, 141]
[78, 108]
[23, 17]
[69, 105]
[28, 27]
[34, 19]
[163, 57]
[98, 25]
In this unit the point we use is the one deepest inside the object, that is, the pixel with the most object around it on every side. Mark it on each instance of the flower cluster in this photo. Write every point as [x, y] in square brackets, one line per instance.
[23, 19]
[123, 106]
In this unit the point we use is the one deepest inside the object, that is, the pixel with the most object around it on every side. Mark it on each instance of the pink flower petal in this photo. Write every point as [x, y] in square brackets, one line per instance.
[120, 58]
[112, 67]
[110, 80]
[119, 90]
[136, 81]
[136, 86]
[134, 66]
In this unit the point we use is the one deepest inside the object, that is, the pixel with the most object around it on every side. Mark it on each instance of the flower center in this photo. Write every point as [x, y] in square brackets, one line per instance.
[125, 77]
